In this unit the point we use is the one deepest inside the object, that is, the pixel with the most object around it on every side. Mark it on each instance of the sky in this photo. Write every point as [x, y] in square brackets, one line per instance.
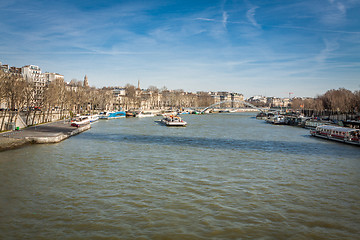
[263, 47]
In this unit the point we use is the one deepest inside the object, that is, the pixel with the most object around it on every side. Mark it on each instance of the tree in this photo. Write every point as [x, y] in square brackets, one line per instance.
[357, 101]
[131, 96]
[341, 100]
[16, 93]
[204, 99]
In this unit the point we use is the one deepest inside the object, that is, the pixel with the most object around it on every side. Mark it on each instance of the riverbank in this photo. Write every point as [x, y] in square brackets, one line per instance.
[53, 132]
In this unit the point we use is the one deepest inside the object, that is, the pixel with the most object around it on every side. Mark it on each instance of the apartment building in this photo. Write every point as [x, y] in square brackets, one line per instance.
[230, 99]
[33, 74]
[5, 68]
[49, 77]
[278, 102]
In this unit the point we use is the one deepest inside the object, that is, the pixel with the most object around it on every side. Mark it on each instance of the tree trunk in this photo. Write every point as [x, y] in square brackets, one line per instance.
[27, 117]
[16, 117]
[33, 120]
[3, 120]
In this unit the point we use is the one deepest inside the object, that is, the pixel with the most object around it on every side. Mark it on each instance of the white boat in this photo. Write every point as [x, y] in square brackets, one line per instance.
[336, 133]
[166, 114]
[313, 123]
[94, 118]
[112, 115]
[276, 119]
[145, 114]
[80, 120]
[173, 121]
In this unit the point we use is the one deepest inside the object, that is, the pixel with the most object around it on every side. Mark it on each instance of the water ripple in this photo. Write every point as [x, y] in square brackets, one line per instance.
[134, 179]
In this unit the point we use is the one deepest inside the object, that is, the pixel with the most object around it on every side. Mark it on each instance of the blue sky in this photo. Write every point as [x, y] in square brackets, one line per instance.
[264, 47]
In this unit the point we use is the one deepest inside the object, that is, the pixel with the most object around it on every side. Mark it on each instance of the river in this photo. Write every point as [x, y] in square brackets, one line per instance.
[224, 176]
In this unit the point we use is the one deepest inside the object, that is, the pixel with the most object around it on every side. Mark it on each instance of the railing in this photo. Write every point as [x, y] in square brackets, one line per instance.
[232, 101]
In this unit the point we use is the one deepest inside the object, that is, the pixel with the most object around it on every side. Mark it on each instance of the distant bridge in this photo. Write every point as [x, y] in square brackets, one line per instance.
[234, 101]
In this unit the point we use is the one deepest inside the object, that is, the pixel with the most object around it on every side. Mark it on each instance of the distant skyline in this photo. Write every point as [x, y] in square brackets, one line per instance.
[252, 47]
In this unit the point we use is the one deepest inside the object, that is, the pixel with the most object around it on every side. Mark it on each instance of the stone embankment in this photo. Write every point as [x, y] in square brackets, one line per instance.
[46, 133]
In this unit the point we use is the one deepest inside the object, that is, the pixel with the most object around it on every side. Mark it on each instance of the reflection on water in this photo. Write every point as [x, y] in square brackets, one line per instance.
[224, 176]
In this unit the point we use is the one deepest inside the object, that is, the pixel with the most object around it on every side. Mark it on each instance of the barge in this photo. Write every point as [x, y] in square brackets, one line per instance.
[112, 115]
[336, 133]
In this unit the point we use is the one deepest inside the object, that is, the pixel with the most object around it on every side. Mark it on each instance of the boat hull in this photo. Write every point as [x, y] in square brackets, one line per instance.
[338, 134]
[173, 121]
[113, 115]
[179, 124]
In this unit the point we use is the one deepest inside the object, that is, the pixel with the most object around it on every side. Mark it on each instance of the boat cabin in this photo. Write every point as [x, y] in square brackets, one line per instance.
[341, 133]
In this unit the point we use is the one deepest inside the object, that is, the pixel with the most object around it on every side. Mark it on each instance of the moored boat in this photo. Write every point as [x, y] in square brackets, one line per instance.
[276, 119]
[94, 118]
[173, 121]
[112, 115]
[336, 133]
[130, 114]
[80, 120]
[313, 123]
[145, 114]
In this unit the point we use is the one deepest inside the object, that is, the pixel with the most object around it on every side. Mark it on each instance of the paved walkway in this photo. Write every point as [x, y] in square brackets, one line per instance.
[44, 133]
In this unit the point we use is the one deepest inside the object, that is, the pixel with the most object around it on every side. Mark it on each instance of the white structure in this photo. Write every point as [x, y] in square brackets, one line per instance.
[5, 68]
[33, 74]
[49, 77]
[117, 91]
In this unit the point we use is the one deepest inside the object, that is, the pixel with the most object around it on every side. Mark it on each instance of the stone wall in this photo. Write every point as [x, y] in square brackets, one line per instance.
[11, 120]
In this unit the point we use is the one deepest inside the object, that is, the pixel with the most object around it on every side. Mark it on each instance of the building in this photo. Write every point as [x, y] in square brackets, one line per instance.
[5, 68]
[230, 99]
[32, 73]
[278, 102]
[118, 97]
[49, 77]
[86, 81]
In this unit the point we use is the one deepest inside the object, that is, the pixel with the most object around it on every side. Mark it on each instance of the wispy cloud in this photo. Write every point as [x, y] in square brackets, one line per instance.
[330, 46]
[312, 29]
[206, 19]
[250, 15]
[334, 13]
[190, 43]
[225, 18]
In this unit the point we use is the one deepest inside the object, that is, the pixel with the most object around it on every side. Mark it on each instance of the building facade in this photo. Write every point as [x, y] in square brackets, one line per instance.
[49, 77]
[32, 73]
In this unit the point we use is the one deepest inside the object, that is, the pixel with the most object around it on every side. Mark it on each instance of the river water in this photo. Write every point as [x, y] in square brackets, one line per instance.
[224, 176]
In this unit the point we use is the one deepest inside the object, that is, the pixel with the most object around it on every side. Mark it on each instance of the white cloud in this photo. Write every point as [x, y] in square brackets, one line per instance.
[205, 19]
[250, 14]
[225, 18]
[334, 13]
[330, 46]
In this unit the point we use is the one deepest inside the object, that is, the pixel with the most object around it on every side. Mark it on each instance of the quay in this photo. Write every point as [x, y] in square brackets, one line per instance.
[53, 132]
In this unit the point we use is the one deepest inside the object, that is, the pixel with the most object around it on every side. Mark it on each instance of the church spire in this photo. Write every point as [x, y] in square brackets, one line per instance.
[86, 82]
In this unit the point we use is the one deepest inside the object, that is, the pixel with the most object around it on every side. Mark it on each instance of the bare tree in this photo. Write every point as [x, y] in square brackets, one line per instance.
[131, 97]
[204, 99]
[16, 93]
[341, 100]
[357, 101]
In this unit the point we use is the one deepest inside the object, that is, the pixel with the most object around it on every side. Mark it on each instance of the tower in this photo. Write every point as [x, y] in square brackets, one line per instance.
[86, 82]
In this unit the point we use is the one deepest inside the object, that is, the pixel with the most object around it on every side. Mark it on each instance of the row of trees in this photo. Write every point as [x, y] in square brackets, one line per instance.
[18, 94]
[340, 101]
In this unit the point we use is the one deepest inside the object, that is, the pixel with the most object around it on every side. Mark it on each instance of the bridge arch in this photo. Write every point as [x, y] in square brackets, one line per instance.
[229, 101]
